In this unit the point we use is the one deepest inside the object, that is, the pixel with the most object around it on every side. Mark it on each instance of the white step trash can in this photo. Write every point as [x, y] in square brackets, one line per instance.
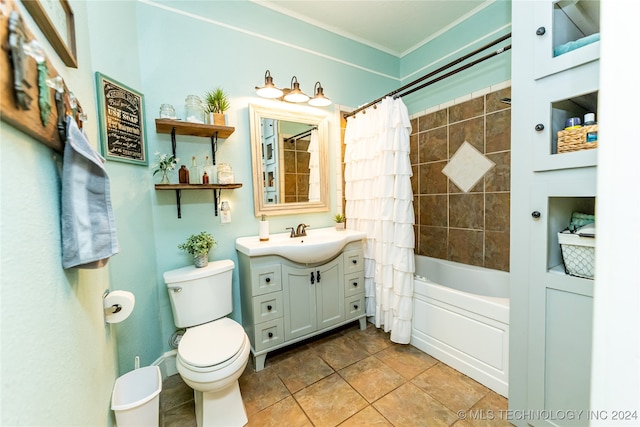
[136, 397]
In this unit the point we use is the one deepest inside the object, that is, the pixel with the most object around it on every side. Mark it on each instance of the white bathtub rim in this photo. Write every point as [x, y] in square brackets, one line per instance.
[494, 308]
[463, 277]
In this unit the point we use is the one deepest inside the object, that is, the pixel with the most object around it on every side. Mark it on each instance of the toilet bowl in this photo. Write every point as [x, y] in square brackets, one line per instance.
[214, 350]
[210, 354]
[211, 358]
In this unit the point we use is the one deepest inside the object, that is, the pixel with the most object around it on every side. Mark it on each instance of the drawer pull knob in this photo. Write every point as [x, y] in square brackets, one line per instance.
[268, 279]
[540, 31]
[355, 261]
[535, 214]
[355, 306]
[355, 284]
[539, 127]
[270, 334]
[269, 308]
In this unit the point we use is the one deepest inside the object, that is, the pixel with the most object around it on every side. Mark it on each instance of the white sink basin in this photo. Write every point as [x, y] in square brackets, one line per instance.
[317, 246]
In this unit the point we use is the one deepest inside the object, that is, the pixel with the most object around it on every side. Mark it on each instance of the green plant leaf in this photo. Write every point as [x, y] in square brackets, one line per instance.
[198, 244]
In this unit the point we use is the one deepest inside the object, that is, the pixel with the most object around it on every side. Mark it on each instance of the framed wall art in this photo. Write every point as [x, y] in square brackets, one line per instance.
[55, 19]
[122, 125]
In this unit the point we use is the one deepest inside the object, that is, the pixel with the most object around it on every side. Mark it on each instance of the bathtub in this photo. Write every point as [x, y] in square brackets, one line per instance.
[461, 317]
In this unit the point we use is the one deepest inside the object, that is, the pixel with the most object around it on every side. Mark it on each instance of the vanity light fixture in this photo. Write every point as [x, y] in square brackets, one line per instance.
[269, 90]
[319, 100]
[295, 94]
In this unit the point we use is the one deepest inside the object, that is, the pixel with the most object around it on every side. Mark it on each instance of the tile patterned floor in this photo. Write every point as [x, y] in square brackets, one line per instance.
[350, 378]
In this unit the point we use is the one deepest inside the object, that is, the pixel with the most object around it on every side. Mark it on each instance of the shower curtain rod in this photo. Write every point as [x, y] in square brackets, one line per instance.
[300, 135]
[396, 93]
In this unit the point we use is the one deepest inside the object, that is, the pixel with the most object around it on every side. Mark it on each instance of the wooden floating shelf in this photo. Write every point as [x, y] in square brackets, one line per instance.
[192, 129]
[197, 186]
[217, 190]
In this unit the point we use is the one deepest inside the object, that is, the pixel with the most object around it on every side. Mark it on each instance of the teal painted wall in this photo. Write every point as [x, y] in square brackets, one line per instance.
[478, 30]
[116, 54]
[166, 51]
[59, 360]
[198, 52]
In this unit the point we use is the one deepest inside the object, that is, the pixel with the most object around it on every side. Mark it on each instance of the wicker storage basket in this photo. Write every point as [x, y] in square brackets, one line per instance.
[576, 139]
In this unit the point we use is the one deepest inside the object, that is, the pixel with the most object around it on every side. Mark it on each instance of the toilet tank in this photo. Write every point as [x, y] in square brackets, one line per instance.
[200, 295]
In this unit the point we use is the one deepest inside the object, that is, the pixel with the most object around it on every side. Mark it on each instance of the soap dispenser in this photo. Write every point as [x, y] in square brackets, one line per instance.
[264, 229]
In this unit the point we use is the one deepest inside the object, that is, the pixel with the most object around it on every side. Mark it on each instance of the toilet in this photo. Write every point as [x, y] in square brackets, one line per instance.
[214, 350]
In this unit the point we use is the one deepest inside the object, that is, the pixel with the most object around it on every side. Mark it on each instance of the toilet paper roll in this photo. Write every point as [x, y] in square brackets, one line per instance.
[118, 305]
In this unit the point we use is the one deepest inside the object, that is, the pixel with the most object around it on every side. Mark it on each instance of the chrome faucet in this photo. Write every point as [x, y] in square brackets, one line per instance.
[300, 231]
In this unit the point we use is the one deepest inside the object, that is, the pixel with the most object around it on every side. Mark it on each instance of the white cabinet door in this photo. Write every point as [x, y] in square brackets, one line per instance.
[314, 298]
[330, 294]
[299, 302]
[569, 26]
[560, 318]
[555, 99]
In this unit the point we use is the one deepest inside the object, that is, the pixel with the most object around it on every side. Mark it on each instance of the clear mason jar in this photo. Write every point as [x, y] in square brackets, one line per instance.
[167, 111]
[225, 174]
[194, 111]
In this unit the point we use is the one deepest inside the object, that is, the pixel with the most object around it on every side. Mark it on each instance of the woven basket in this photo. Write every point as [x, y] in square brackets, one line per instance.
[576, 139]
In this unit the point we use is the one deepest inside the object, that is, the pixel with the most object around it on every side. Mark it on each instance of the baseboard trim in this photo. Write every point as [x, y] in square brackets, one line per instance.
[167, 363]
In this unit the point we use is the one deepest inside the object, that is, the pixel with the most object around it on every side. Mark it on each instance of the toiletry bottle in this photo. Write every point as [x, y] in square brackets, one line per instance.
[592, 134]
[572, 123]
[205, 178]
[211, 170]
[264, 229]
[194, 173]
[183, 175]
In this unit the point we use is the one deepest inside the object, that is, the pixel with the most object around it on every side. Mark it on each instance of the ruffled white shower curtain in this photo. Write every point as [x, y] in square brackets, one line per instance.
[314, 167]
[379, 201]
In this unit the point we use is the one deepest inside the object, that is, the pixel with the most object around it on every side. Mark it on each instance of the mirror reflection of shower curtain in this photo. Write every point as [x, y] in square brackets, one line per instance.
[380, 202]
[314, 168]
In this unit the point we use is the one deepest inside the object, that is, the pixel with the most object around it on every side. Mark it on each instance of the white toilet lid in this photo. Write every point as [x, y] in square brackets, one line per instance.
[212, 343]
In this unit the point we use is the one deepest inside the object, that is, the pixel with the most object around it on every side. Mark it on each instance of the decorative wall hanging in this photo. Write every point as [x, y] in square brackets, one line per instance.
[55, 19]
[34, 98]
[122, 125]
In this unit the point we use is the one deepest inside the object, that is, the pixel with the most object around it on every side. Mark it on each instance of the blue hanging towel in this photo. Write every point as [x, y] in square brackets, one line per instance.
[88, 225]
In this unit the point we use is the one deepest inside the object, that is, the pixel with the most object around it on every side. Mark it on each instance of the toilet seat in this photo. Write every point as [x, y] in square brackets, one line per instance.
[213, 345]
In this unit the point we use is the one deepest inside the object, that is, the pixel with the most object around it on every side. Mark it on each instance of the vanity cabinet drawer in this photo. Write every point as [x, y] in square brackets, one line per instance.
[267, 307]
[269, 334]
[353, 261]
[354, 306]
[266, 279]
[353, 284]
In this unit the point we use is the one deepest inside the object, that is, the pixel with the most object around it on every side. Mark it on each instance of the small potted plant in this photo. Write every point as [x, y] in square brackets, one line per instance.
[340, 221]
[216, 103]
[199, 246]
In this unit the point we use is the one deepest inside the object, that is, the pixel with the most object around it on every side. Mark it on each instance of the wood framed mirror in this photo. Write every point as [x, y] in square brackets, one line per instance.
[289, 157]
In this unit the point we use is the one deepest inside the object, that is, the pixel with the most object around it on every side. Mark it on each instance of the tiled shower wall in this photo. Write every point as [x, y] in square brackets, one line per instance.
[296, 172]
[473, 227]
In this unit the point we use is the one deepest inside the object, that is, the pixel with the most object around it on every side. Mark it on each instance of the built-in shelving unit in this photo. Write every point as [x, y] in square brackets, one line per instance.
[179, 127]
[555, 77]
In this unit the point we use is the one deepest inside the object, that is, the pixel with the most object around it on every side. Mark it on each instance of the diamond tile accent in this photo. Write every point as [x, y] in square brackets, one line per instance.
[467, 166]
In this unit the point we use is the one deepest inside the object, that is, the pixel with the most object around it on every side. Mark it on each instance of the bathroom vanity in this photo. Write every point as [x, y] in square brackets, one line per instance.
[285, 301]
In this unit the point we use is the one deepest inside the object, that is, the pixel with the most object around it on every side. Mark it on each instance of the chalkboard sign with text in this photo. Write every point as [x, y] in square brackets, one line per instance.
[122, 126]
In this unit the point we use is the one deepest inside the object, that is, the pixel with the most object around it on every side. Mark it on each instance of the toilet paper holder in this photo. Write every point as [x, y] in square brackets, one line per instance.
[115, 308]
[117, 305]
